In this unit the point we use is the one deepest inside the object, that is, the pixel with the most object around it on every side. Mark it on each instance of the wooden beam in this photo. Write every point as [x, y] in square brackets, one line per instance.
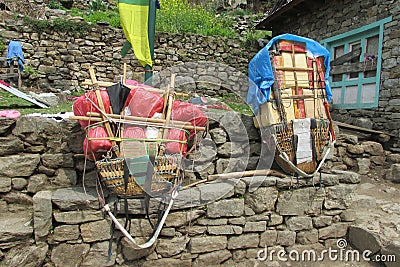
[293, 69]
[361, 129]
[354, 67]
[233, 175]
[346, 57]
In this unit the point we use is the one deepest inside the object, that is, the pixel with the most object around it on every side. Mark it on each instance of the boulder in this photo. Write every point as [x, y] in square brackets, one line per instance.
[170, 247]
[212, 258]
[364, 165]
[302, 201]
[226, 208]
[213, 191]
[338, 197]
[78, 216]
[42, 214]
[393, 174]
[5, 184]
[37, 182]
[372, 148]
[75, 198]
[10, 145]
[98, 255]
[29, 256]
[95, 231]
[207, 244]
[19, 183]
[299, 223]
[69, 254]
[243, 241]
[363, 239]
[55, 161]
[15, 229]
[22, 165]
[264, 198]
[6, 125]
[347, 177]
[64, 233]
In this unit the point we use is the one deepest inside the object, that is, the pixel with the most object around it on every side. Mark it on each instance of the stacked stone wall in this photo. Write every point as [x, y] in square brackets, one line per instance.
[50, 219]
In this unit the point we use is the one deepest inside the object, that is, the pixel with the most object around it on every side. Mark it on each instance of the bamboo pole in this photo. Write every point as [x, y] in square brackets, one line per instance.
[101, 105]
[169, 107]
[184, 125]
[150, 89]
[84, 118]
[234, 175]
[124, 75]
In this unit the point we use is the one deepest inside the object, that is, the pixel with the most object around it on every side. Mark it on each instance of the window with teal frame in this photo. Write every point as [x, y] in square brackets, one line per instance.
[360, 89]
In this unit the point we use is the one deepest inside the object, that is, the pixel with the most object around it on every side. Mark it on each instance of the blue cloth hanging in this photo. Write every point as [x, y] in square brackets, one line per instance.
[261, 76]
[15, 53]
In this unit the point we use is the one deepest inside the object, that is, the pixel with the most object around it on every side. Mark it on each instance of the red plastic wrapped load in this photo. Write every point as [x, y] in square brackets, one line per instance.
[82, 105]
[144, 103]
[183, 111]
[128, 100]
[99, 146]
[176, 147]
[133, 132]
[285, 45]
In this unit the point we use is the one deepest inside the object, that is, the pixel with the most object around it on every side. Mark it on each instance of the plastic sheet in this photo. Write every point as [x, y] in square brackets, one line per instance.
[83, 104]
[133, 132]
[183, 111]
[176, 147]
[99, 146]
[144, 103]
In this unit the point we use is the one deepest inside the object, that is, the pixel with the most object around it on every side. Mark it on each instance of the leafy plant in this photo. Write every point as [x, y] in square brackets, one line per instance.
[34, 73]
[182, 16]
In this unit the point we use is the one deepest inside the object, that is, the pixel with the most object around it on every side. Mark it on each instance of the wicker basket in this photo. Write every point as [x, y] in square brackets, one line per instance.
[285, 143]
[138, 171]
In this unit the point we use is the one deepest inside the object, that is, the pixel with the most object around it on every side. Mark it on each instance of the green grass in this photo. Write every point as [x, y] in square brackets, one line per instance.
[10, 101]
[182, 16]
[236, 103]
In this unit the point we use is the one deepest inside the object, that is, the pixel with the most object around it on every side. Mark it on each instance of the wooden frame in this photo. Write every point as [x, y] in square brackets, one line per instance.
[360, 34]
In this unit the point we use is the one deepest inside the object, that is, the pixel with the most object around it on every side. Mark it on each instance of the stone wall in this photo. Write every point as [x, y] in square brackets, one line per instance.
[50, 219]
[61, 60]
[329, 18]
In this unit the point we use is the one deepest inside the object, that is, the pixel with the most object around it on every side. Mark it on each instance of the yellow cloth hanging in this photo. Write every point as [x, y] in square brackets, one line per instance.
[134, 16]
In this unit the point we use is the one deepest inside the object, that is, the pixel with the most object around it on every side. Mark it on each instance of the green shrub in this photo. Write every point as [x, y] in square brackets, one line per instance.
[111, 17]
[58, 25]
[182, 16]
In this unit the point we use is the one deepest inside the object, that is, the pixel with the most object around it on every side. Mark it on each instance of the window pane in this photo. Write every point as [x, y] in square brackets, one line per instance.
[371, 55]
[350, 94]
[337, 52]
[368, 93]
[337, 95]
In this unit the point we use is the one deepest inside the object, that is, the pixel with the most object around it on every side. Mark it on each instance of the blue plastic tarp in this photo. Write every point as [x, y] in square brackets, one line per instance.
[261, 76]
[15, 53]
